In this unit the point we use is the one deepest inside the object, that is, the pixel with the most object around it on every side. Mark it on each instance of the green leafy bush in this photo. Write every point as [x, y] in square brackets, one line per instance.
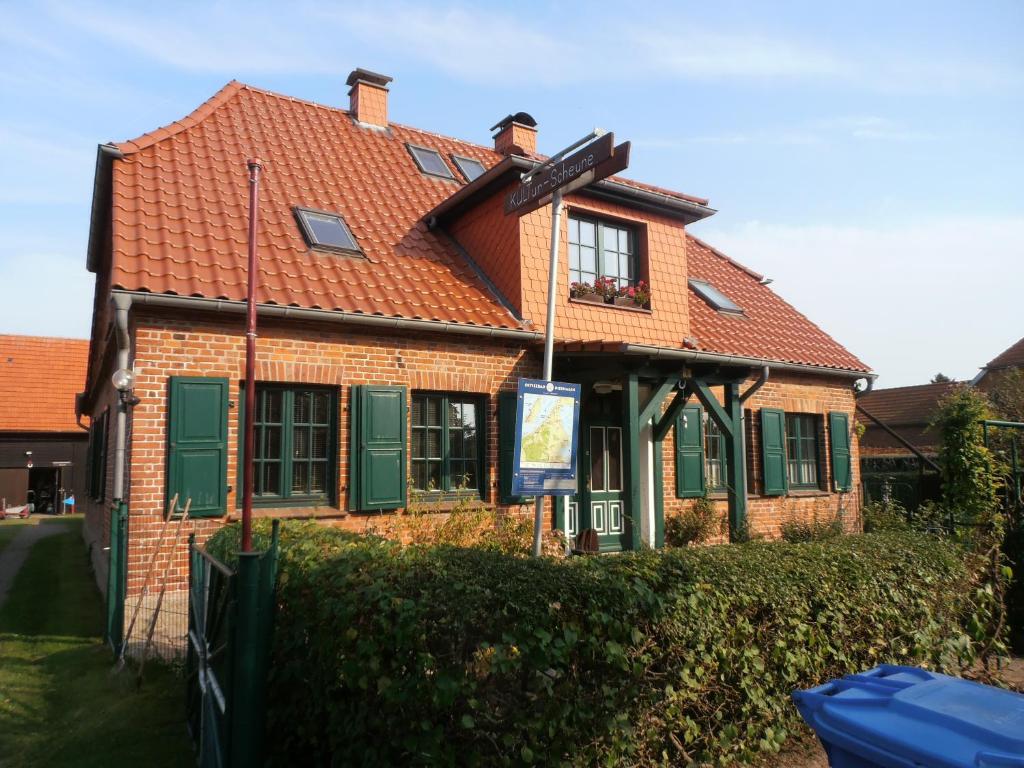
[408, 655]
[881, 516]
[694, 524]
[799, 529]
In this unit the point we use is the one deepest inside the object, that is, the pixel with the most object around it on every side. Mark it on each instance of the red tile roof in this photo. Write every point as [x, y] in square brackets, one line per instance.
[906, 406]
[1009, 358]
[39, 377]
[180, 212]
[769, 327]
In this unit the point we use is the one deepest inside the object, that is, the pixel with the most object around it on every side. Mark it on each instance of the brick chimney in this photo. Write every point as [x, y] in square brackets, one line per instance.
[517, 135]
[368, 97]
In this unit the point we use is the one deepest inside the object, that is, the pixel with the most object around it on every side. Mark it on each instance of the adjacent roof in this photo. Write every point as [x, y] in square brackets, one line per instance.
[180, 212]
[902, 406]
[39, 377]
[1009, 358]
[769, 327]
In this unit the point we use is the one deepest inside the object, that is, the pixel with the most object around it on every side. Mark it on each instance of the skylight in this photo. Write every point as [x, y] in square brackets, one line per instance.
[715, 297]
[469, 167]
[325, 230]
[430, 161]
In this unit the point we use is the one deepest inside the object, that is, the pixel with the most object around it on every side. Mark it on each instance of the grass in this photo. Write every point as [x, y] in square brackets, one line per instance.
[9, 529]
[60, 703]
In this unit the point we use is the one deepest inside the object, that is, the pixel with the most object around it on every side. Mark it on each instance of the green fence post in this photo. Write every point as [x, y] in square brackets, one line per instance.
[116, 577]
[252, 635]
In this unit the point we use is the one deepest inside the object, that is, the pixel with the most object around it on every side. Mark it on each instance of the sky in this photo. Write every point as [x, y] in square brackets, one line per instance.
[866, 156]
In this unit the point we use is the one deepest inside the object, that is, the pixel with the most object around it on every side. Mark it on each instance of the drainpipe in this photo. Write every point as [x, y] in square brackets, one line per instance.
[122, 303]
[761, 380]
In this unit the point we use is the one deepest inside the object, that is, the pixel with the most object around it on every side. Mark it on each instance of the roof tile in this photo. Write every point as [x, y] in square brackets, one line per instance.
[39, 378]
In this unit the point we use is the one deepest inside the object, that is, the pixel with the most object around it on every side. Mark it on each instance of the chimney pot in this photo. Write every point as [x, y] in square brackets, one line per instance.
[368, 97]
[517, 135]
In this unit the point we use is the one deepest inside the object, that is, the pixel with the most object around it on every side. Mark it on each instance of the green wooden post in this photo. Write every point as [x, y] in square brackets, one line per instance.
[116, 576]
[631, 418]
[736, 461]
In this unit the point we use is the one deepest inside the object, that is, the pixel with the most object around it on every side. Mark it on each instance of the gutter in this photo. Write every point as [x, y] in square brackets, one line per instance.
[751, 362]
[229, 306]
[121, 306]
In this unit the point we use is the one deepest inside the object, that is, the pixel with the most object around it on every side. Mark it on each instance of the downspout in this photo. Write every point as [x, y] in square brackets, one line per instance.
[761, 380]
[122, 303]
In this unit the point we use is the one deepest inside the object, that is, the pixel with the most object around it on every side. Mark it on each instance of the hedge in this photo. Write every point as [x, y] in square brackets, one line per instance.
[400, 655]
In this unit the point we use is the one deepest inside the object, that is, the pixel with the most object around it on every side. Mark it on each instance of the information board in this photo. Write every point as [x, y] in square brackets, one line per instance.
[547, 437]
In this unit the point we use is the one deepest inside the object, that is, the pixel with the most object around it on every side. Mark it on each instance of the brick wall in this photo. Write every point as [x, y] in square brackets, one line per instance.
[794, 393]
[168, 346]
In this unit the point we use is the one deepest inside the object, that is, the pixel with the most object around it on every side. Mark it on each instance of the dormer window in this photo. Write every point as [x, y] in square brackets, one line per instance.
[601, 249]
[715, 298]
[469, 167]
[430, 162]
[326, 231]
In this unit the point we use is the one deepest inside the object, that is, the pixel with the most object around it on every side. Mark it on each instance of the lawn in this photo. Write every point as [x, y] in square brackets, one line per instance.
[60, 703]
[10, 528]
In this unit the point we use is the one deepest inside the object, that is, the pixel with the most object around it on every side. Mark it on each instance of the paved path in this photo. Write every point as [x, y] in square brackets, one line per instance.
[14, 554]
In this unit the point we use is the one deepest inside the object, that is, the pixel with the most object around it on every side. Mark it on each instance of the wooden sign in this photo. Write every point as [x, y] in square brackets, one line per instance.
[576, 170]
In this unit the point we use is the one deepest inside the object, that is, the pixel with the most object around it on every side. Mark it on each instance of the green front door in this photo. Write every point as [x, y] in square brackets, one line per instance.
[601, 502]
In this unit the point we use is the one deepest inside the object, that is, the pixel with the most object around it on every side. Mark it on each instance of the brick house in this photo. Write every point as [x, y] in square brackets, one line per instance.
[44, 452]
[398, 306]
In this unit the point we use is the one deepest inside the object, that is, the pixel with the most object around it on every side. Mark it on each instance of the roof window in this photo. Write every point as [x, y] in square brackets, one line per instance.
[469, 167]
[715, 297]
[326, 230]
[430, 161]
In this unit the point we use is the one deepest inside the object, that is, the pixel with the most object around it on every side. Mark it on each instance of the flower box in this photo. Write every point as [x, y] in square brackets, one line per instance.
[624, 301]
[591, 298]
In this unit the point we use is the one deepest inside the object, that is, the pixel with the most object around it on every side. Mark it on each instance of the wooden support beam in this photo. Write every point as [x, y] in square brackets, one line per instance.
[657, 398]
[712, 406]
[668, 418]
[631, 459]
[736, 461]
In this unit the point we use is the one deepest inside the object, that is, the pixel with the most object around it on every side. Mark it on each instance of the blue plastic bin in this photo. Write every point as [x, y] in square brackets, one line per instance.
[904, 717]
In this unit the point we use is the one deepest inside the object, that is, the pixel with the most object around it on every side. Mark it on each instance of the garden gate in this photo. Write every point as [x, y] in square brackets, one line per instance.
[229, 630]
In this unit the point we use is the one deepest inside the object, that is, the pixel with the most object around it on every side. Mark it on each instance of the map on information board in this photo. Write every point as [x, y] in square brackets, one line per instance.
[547, 429]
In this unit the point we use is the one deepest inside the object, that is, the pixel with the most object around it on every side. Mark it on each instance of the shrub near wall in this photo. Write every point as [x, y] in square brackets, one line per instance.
[391, 655]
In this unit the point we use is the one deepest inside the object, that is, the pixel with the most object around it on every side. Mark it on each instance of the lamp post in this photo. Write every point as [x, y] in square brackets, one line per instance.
[255, 166]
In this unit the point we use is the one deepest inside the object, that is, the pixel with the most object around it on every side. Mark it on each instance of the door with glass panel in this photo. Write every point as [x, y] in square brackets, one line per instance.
[604, 506]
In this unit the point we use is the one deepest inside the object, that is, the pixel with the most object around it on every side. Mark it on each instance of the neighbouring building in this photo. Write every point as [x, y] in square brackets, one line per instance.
[1011, 359]
[44, 451]
[398, 306]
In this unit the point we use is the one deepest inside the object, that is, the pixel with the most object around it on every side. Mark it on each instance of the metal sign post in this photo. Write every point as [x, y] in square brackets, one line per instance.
[250, 360]
[560, 175]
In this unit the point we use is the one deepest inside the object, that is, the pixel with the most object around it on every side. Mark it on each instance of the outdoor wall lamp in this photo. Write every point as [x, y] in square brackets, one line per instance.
[123, 381]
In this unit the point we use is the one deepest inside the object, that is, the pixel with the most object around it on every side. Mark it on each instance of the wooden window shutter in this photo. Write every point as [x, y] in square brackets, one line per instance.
[773, 451]
[197, 453]
[690, 452]
[377, 457]
[839, 434]
[506, 448]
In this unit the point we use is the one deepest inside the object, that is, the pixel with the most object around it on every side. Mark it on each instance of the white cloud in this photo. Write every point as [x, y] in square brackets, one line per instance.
[822, 131]
[909, 300]
[485, 44]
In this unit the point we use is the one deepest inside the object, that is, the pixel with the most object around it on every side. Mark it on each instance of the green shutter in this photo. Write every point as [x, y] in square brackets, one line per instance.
[378, 474]
[197, 434]
[773, 451]
[506, 448]
[839, 434]
[690, 452]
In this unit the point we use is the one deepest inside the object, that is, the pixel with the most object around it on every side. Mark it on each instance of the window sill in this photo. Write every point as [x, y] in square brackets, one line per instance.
[601, 305]
[289, 513]
[807, 493]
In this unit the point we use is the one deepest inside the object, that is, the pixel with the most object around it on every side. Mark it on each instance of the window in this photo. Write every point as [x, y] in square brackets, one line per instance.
[97, 457]
[599, 249]
[714, 456]
[469, 168]
[295, 457]
[715, 297]
[430, 161]
[802, 450]
[446, 443]
[325, 230]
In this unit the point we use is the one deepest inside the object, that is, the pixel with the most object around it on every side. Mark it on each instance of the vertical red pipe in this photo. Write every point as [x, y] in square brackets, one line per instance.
[250, 359]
